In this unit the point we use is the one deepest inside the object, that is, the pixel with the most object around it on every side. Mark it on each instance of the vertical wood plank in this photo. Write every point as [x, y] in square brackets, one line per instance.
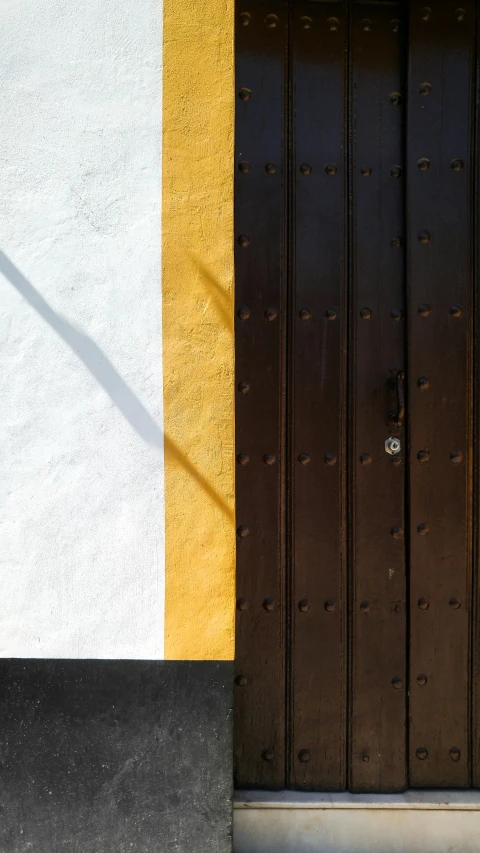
[439, 219]
[475, 735]
[317, 397]
[261, 43]
[378, 620]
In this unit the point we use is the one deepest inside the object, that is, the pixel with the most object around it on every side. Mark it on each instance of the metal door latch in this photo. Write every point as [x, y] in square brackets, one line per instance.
[397, 418]
[393, 446]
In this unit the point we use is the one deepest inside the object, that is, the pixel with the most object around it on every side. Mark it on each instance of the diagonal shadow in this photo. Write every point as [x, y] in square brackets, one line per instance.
[173, 451]
[221, 299]
[97, 363]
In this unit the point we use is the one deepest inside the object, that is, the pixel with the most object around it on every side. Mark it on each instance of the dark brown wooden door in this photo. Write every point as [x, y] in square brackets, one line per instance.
[356, 260]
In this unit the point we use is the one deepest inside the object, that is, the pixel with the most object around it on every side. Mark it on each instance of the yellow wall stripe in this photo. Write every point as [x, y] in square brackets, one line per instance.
[198, 345]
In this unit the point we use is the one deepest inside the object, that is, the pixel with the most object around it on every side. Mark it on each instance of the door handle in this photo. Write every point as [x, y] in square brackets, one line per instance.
[398, 417]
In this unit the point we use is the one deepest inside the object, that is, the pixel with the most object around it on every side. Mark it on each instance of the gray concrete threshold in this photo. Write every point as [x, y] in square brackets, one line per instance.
[412, 822]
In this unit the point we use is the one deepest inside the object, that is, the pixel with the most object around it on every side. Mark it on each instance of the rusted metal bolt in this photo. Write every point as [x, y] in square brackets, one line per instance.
[271, 314]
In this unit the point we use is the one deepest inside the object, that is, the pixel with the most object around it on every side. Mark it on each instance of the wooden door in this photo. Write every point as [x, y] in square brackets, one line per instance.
[355, 267]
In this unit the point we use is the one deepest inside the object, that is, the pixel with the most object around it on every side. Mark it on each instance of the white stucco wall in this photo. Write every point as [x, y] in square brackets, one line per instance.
[82, 517]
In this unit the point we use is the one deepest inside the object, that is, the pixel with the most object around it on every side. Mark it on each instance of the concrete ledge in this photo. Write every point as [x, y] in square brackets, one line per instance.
[409, 800]
[296, 822]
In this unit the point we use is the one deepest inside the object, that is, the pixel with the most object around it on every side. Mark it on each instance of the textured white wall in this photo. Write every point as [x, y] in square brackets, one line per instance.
[82, 518]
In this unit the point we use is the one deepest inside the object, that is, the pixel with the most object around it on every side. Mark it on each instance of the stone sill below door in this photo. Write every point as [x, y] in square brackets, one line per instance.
[440, 821]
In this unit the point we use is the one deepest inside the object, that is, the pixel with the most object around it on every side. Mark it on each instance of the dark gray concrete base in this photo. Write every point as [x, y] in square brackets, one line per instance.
[115, 756]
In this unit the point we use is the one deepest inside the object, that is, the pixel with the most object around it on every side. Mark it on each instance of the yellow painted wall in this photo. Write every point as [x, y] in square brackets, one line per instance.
[198, 343]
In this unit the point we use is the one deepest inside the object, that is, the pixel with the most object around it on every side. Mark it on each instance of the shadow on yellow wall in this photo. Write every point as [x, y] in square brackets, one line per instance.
[218, 296]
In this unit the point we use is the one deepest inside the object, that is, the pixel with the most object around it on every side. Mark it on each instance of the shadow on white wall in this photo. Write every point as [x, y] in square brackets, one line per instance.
[110, 380]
